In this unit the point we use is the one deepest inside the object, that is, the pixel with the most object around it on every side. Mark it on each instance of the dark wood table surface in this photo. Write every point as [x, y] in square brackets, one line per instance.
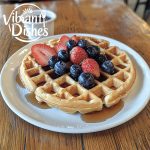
[109, 18]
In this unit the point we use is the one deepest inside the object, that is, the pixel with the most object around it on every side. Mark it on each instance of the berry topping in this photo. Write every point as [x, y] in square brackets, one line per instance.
[42, 53]
[78, 55]
[60, 68]
[60, 46]
[101, 58]
[63, 55]
[86, 80]
[91, 66]
[75, 38]
[52, 61]
[108, 67]
[70, 44]
[64, 39]
[75, 71]
[97, 48]
[92, 51]
[83, 44]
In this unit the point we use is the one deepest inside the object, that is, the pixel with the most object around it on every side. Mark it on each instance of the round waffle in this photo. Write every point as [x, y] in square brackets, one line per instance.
[67, 94]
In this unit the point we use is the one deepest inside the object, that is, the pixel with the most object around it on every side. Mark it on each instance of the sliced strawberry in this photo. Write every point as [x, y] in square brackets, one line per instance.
[91, 66]
[60, 46]
[75, 38]
[40, 58]
[64, 39]
[77, 55]
[42, 53]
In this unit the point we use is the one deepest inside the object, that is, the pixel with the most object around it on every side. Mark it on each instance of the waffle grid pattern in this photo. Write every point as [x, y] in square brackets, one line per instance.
[67, 94]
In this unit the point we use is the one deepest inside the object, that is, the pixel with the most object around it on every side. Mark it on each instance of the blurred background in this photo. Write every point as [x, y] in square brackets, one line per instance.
[140, 7]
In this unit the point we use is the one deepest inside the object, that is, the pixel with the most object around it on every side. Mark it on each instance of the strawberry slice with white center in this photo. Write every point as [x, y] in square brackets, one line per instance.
[42, 53]
[64, 39]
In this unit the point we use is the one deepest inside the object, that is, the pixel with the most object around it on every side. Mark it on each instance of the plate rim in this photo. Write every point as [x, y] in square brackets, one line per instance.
[64, 129]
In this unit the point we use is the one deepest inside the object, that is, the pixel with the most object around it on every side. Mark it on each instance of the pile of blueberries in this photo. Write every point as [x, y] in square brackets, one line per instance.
[58, 63]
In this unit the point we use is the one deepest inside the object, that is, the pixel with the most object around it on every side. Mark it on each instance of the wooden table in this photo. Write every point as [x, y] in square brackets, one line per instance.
[112, 19]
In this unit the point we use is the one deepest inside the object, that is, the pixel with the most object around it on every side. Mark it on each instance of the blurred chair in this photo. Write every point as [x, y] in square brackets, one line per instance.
[126, 1]
[146, 10]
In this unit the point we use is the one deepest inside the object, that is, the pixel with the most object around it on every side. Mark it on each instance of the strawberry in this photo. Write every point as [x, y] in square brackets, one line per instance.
[60, 46]
[42, 53]
[75, 38]
[89, 65]
[64, 39]
[77, 55]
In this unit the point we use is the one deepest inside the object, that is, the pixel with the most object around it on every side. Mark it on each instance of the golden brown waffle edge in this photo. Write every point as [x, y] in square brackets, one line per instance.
[75, 98]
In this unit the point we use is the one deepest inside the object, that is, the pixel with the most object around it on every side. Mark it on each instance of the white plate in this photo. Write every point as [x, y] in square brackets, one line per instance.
[56, 120]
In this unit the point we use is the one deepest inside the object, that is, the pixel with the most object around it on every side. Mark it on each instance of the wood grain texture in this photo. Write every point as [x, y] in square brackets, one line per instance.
[109, 18]
[115, 20]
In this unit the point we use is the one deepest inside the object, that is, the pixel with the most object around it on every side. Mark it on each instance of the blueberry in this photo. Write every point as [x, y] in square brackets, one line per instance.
[86, 80]
[83, 44]
[60, 68]
[75, 71]
[92, 52]
[96, 47]
[101, 58]
[70, 44]
[52, 61]
[108, 67]
[63, 55]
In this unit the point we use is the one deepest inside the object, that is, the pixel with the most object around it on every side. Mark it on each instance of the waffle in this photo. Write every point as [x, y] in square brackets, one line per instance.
[67, 94]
